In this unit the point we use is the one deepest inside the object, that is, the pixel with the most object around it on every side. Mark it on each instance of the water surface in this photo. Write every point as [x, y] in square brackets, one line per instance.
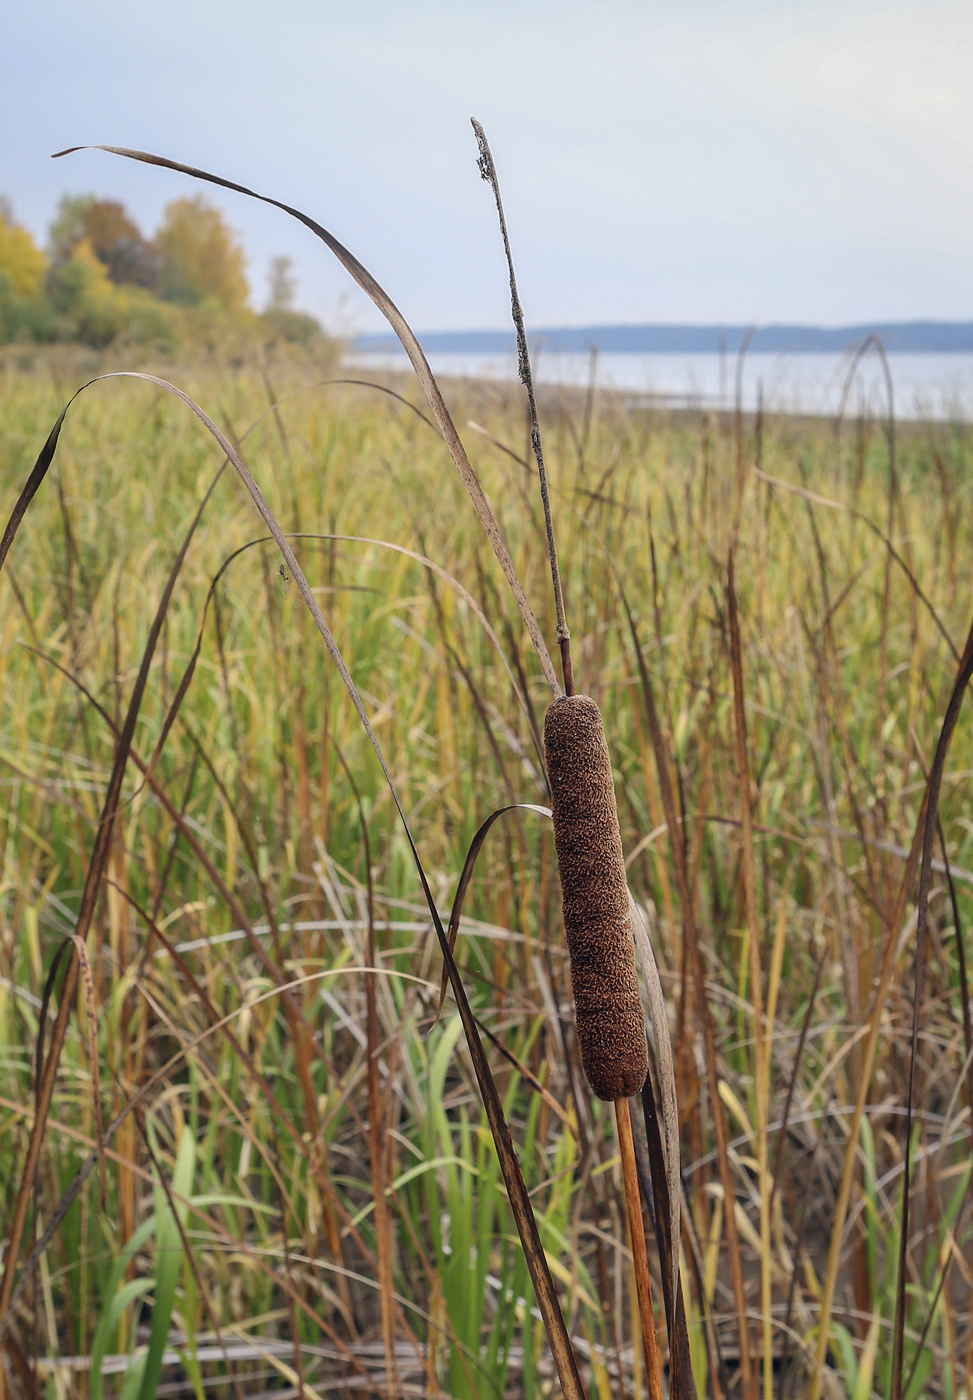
[923, 386]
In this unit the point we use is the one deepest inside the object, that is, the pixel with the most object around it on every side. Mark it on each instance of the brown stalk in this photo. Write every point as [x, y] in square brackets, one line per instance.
[696, 980]
[636, 1229]
[738, 428]
[488, 171]
[304, 1045]
[928, 825]
[378, 1152]
[377, 1119]
[91, 1014]
[682, 1385]
[305, 1048]
[179, 962]
[749, 864]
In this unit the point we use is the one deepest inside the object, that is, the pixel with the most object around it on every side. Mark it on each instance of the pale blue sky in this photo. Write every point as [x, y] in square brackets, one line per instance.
[690, 161]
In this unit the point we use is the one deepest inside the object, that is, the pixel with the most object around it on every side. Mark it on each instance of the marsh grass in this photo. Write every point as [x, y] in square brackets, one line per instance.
[344, 1221]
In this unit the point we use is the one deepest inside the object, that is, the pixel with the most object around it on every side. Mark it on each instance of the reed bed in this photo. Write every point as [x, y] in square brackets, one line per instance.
[307, 1199]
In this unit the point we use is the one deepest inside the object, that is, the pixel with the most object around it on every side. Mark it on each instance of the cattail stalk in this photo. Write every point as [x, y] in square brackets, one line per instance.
[640, 1257]
[488, 171]
[608, 1006]
[597, 923]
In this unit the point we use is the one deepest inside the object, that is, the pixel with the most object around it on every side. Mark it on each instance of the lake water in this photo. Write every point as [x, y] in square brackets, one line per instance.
[924, 386]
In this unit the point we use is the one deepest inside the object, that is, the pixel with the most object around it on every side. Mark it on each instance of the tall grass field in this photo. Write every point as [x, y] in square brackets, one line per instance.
[290, 1186]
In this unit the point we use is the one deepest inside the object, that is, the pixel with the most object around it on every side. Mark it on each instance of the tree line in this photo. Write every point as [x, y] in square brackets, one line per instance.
[100, 280]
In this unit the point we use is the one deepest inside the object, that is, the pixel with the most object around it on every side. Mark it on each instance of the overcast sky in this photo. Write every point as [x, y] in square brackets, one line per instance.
[699, 160]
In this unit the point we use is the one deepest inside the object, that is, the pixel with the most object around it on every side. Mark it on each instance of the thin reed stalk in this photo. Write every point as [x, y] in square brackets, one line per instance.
[643, 1282]
[488, 171]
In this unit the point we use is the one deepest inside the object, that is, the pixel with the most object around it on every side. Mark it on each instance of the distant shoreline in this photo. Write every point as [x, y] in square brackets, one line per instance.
[898, 337]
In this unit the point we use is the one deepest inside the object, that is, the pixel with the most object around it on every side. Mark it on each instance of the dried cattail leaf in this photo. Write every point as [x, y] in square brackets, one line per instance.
[597, 920]
[666, 1072]
[420, 364]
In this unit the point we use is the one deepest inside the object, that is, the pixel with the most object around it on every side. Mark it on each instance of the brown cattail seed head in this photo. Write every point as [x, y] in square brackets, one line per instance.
[608, 1007]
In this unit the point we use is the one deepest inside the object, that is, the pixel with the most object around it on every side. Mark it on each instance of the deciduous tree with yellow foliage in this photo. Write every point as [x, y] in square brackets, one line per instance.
[22, 269]
[20, 258]
[201, 262]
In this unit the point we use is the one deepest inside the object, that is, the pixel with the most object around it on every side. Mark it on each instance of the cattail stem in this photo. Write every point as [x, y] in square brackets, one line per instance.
[489, 172]
[567, 666]
[636, 1229]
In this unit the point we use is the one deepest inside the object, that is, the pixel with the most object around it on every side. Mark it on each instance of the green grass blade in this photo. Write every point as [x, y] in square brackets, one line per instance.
[168, 1263]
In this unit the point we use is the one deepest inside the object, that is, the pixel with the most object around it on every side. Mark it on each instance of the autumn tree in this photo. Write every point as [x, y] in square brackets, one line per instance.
[111, 233]
[201, 263]
[66, 229]
[21, 261]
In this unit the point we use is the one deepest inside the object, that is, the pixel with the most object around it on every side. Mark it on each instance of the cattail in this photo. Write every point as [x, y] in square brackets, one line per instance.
[608, 1007]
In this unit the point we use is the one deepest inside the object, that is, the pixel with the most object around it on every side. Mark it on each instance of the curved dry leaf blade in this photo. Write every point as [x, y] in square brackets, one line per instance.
[667, 1081]
[964, 989]
[37, 475]
[467, 597]
[930, 822]
[355, 383]
[530, 1078]
[476, 846]
[501, 446]
[45, 1008]
[420, 364]
[814, 499]
[423, 559]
